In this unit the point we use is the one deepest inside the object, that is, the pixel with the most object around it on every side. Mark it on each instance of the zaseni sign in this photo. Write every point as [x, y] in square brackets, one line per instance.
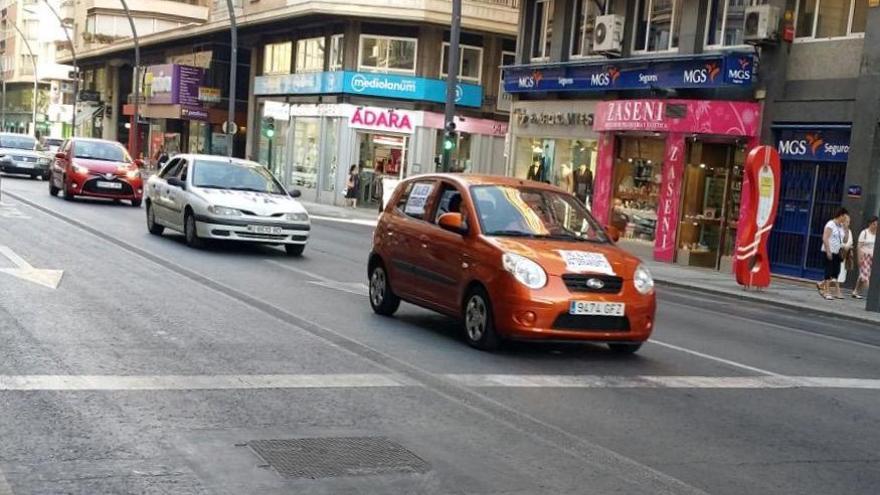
[760, 198]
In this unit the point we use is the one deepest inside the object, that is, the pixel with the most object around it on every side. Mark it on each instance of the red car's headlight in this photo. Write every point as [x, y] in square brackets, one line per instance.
[80, 170]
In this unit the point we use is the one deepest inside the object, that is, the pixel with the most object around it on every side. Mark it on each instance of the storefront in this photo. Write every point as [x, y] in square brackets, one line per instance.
[553, 142]
[669, 174]
[813, 185]
[312, 146]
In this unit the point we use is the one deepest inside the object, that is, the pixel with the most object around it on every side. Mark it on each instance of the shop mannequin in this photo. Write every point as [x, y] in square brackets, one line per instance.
[583, 182]
[566, 181]
[536, 171]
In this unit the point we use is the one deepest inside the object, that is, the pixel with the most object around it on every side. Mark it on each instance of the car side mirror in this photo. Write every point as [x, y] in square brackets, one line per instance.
[295, 193]
[60, 156]
[452, 222]
[176, 182]
[612, 233]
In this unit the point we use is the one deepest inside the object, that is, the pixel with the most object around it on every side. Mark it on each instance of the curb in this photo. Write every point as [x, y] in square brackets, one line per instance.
[780, 304]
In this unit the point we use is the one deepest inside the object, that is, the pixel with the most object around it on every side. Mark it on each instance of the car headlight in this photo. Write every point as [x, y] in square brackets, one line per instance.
[133, 174]
[524, 270]
[297, 217]
[643, 280]
[44, 162]
[224, 211]
[80, 170]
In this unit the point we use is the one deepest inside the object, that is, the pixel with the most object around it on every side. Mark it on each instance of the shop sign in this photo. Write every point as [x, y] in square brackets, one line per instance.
[209, 95]
[735, 69]
[86, 95]
[171, 84]
[829, 145]
[729, 118]
[854, 191]
[193, 113]
[367, 84]
[276, 109]
[486, 127]
[524, 118]
[384, 119]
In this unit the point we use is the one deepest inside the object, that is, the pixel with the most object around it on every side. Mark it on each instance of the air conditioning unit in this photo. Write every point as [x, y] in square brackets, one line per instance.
[608, 34]
[762, 23]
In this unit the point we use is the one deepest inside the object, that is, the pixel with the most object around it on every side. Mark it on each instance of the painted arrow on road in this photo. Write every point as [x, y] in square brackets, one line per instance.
[24, 270]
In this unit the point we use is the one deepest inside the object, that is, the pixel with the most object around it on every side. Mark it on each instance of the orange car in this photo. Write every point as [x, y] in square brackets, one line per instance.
[513, 259]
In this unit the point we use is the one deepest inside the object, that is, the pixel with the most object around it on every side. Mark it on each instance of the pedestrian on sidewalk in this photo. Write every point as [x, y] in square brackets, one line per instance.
[351, 187]
[834, 238]
[847, 255]
[866, 256]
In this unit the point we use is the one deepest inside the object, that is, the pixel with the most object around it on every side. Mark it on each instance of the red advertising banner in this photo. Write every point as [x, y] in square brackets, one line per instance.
[669, 205]
[760, 198]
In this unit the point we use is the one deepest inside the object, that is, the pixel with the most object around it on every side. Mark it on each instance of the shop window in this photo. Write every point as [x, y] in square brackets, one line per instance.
[542, 29]
[636, 187]
[277, 57]
[726, 23]
[818, 19]
[470, 63]
[337, 52]
[310, 55]
[386, 54]
[306, 134]
[567, 163]
[583, 25]
[657, 25]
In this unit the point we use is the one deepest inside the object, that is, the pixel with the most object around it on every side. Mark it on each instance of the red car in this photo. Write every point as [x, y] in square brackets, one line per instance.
[96, 168]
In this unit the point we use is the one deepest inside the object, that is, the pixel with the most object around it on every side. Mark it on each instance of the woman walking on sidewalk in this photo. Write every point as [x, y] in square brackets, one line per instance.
[834, 238]
[351, 186]
[866, 256]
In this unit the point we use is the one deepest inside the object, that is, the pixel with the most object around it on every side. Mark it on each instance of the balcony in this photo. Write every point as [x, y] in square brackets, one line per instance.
[182, 10]
[67, 11]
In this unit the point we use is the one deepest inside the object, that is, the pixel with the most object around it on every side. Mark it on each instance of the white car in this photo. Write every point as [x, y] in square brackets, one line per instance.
[214, 197]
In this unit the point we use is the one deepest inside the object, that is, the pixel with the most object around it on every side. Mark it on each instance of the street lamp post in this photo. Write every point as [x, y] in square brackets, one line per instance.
[133, 132]
[233, 68]
[450, 137]
[65, 27]
[36, 80]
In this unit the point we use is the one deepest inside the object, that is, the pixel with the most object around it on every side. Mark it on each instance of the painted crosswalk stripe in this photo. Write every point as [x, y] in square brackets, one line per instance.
[648, 381]
[195, 382]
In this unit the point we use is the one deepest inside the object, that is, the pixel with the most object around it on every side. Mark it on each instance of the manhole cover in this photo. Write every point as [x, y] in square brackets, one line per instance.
[340, 456]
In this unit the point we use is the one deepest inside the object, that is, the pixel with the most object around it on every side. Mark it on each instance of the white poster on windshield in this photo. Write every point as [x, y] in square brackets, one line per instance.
[586, 262]
[418, 198]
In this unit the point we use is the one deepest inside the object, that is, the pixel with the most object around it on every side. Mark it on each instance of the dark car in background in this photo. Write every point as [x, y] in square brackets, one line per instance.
[19, 154]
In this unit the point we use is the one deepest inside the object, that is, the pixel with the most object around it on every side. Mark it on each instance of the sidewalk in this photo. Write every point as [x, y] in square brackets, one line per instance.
[783, 292]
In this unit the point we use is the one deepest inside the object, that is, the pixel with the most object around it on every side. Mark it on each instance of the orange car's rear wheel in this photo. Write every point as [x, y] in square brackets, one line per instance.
[479, 324]
[383, 300]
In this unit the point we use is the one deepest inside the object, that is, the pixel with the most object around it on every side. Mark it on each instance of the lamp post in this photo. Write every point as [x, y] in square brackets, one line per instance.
[450, 137]
[233, 68]
[65, 27]
[36, 80]
[133, 132]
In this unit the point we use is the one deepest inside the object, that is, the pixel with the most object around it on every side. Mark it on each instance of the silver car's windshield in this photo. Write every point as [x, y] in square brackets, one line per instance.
[225, 175]
[96, 150]
[18, 142]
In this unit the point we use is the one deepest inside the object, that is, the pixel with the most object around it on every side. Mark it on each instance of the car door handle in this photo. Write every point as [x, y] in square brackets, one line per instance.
[424, 240]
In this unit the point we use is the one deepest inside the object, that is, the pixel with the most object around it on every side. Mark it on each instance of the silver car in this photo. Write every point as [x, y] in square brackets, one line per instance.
[19, 155]
[214, 197]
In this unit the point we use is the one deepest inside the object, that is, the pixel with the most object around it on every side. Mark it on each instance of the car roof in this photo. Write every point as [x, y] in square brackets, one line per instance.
[94, 140]
[217, 158]
[15, 134]
[467, 180]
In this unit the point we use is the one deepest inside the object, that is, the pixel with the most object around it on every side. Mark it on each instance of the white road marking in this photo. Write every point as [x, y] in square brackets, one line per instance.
[10, 210]
[195, 382]
[320, 280]
[5, 489]
[648, 381]
[24, 270]
[354, 221]
[716, 359]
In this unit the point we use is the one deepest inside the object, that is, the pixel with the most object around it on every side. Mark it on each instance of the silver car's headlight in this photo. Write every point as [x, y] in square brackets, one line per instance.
[643, 280]
[297, 217]
[223, 211]
[524, 270]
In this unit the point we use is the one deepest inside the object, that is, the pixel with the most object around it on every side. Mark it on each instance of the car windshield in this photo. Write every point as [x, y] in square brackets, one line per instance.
[96, 150]
[532, 212]
[18, 142]
[238, 177]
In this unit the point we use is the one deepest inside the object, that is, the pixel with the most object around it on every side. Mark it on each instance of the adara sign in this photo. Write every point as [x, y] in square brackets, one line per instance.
[385, 119]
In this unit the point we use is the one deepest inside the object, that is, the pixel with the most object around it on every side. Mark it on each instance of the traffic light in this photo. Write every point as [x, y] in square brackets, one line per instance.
[270, 127]
[449, 140]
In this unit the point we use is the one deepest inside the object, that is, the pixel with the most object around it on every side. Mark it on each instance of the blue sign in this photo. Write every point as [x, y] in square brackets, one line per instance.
[815, 145]
[368, 84]
[854, 191]
[704, 72]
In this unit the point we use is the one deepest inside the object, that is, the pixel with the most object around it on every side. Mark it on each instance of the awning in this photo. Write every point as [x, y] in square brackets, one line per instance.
[87, 113]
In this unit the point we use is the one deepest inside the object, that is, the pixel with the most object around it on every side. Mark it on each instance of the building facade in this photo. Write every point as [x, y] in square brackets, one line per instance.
[646, 109]
[26, 53]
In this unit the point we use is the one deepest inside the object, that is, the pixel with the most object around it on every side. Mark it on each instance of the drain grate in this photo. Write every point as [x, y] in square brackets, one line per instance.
[337, 456]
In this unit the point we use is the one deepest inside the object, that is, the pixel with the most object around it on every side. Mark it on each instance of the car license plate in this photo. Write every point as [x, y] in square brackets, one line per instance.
[25, 165]
[594, 308]
[264, 229]
[109, 185]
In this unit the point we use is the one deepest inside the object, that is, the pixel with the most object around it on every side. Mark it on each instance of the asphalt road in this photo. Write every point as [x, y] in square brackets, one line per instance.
[153, 368]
